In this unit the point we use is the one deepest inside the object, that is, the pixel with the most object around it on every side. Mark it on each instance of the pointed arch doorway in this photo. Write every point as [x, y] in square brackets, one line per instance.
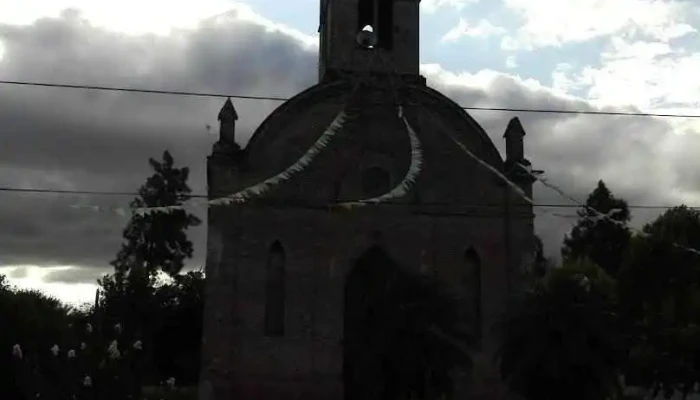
[368, 317]
[388, 353]
[388, 349]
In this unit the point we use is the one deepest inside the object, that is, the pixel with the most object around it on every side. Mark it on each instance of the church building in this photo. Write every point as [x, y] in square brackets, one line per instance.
[366, 175]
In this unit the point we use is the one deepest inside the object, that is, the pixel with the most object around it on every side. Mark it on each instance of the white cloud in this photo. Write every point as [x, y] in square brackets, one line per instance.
[562, 80]
[154, 16]
[138, 17]
[511, 62]
[432, 6]
[550, 23]
[482, 29]
[650, 75]
[32, 277]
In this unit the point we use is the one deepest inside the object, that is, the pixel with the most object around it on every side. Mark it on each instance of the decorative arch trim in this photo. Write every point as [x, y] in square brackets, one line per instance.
[291, 107]
[340, 89]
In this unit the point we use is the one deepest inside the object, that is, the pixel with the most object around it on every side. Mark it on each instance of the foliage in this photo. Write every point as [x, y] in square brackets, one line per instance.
[33, 318]
[164, 319]
[169, 320]
[83, 366]
[158, 241]
[431, 335]
[397, 321]
[85, 348]
[177, 341]
[4, 284]
[661, 301]
[600, 239]
[564, 334]
[153, 242]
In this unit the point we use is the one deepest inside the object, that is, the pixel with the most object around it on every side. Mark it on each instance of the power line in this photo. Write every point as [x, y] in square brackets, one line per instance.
[135, 90]
[275, 98]
[6, 189]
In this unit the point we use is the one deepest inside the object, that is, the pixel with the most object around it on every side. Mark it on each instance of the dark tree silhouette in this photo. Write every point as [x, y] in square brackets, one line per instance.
[602, 241]
[660, 296]
[562, 339]
[153, 242]
[158, 241]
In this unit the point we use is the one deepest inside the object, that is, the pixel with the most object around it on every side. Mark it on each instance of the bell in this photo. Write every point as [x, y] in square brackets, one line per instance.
[367, 39]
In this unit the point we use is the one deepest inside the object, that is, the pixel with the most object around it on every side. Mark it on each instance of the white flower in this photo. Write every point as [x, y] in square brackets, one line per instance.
[89, 328]
[17, 351]
[118, 328]
[71, 353]
[87, 381]
[113, 350]
[83, 346]
[586, 283]
[170, 382]
[55, 350]
[138, 345]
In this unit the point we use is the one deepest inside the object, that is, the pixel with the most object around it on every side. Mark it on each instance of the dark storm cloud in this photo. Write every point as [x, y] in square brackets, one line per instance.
[631, 154]
[81, 140]
[75, 275]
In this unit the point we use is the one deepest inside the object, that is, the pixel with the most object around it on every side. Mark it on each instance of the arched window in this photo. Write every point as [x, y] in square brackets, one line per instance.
[275, 291]
[471, 279]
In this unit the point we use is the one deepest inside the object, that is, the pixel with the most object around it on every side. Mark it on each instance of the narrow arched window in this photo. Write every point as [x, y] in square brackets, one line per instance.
[471, 279]
[275, 291]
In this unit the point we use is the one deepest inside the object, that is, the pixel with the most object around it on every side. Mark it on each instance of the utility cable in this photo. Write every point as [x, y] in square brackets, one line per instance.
[279, 98]
[7, 189]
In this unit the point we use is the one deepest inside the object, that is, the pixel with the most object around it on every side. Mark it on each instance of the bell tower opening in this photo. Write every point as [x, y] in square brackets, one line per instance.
[366, 36]
[366, 14]
[377, 17]
[385, 24]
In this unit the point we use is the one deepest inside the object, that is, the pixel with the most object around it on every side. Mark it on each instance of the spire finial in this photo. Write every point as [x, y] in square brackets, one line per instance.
[227, 124]
[228, 111]
[515, 128]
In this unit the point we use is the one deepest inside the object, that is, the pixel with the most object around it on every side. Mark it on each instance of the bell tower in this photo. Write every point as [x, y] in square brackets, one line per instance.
[368, 36]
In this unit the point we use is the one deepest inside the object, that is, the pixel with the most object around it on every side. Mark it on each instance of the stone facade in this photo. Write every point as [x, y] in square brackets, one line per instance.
[455, 205]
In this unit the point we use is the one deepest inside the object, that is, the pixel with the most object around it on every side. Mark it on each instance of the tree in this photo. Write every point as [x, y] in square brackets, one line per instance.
[430, 336]
[34, 322]
[601, 240]
[153, 242]
[4, 284]
[660, 293]
[158, 241]
[177, 341]
[562, 339]
[542, 263]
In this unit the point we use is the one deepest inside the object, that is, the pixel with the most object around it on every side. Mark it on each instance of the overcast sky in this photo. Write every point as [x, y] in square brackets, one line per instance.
[628, 55]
